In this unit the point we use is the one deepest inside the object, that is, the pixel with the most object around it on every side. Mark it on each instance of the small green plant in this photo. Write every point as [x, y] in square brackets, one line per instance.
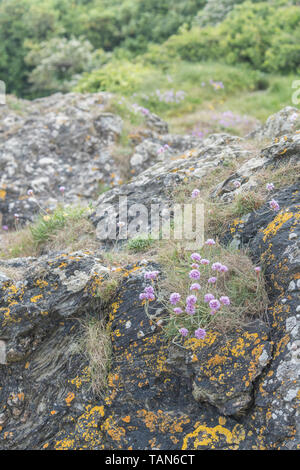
[48, 224]
[140, 243]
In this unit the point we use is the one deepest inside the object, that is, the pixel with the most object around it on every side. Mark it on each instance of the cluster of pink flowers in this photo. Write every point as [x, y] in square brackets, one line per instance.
[148, 293]
[191, 303]
[163, 149]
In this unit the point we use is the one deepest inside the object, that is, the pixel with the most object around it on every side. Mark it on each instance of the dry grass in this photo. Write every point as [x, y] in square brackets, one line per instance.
[96, 345]
[75, 234]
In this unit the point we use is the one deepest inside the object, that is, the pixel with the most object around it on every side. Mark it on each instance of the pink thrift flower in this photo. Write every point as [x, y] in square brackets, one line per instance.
[194, 274]
[195, 193]
[177, 310]
[195, 266]
[62, 189]
[191, 300]
[237, 184]
[196, 257]
[190, 309]
[216, 266]
[151, 275]
[214, 304]
[270, 187]
[200, 333]
[225, 300]
[223, 269]
[274, 205]
[174, 298]
[204, 261]
[212, 280]
[195, 286]
[208, 297]
[30, 192]
[5, 227]
[210, 242]
[183, 332]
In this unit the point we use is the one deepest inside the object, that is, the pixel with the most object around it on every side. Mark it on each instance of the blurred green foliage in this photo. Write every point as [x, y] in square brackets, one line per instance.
[45, 45]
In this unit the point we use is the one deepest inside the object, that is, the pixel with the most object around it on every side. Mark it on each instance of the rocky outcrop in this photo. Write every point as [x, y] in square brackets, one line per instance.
[233, 391]
[286, 121]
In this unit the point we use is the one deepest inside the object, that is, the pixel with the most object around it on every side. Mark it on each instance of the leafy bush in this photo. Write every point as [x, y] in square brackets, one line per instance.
[58, 63]
[263, 35]
[122, 77]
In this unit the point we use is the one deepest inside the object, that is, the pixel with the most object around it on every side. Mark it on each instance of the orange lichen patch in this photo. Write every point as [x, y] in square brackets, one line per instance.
[2, 194]
[206, 437]
[84, 377]
[276, 224]
[45, 445]
[110, 426]
[41, 283]
[126, 419]
[162, 422]
[36, 298]
[65, 444]
[70, 397]
[53, 412]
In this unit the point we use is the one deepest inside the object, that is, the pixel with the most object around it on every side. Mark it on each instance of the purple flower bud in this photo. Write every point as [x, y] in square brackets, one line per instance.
[195, 193]
[225, 300]
[194, 274]
[174, 298]
[177, 310]
[208, 297]
[214, 304]
[183, 331]
[196, 257]
[195, 286]
[210, 242]
[200, 333]
[212, 280]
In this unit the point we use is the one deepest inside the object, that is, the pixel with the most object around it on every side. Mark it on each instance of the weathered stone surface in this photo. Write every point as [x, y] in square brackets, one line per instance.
[154, 185]
[233, 391]
[285, 121]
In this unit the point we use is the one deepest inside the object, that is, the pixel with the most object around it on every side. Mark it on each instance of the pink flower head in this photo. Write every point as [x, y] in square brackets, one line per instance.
[62, 189]
[204, 261]
[194, 274]
[270, 187]
[223, 269]
[195, 286]
[16, 216]
[210, 242]
[177, 310]
[183, 332]
[274, 205]
[191, 300]
[200, 333]
[257, 270]
[5, 227]
[195, 266]
[196, 257]
[174, 298]
[143, 296]
[237, 184]
[225, 300]
[212, 280]
[208, 297]
[151, 275]
[214, 304]
[195, 193]
[190, 309]
[216, 266]
[149, 290]
[30, 192]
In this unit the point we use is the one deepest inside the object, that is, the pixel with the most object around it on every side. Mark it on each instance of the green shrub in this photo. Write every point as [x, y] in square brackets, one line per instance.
[122, 77]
